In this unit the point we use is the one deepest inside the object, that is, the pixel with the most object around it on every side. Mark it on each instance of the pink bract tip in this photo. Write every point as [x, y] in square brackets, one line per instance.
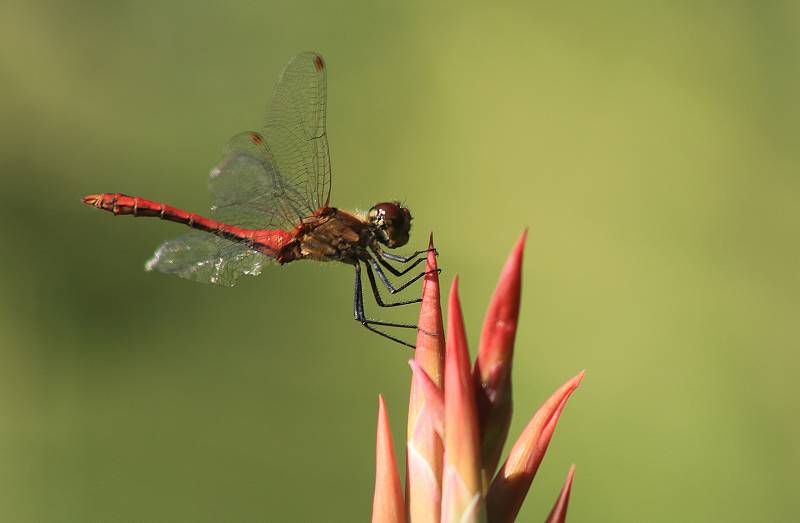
[388, 505]
[509, 487]
[559, 512]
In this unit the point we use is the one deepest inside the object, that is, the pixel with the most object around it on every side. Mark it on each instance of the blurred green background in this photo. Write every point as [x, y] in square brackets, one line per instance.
[652, 149]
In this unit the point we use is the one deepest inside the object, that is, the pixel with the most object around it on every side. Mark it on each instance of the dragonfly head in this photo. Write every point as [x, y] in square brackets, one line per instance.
[391, 222]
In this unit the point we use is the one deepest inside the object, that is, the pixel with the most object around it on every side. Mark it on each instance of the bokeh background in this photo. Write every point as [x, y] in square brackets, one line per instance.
[651, 148]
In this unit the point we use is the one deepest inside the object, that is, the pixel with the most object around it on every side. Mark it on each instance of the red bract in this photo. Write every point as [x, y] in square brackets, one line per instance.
[458, 419]
[388, 505]
[424, 448]
[462, 498]
[559, 512]
[511, 484]
[493, 366]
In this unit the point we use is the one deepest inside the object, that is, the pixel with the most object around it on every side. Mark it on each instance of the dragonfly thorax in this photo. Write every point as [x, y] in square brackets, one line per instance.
[391, 223]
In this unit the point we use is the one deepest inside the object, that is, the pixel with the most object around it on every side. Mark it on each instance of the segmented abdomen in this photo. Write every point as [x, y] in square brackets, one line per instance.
[268, 241]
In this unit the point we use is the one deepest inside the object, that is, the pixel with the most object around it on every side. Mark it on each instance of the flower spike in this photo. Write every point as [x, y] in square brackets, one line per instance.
[458, 418]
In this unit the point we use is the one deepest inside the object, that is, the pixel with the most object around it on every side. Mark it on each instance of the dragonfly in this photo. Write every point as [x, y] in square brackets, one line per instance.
[271, 203]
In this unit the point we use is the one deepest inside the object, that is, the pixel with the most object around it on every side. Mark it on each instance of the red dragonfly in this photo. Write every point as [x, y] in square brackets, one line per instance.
[271, 195]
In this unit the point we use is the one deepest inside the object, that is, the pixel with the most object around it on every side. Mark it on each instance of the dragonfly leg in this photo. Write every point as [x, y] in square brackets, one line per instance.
[405, 259]
[383, 256]
[377, 294]
[399, 272]
[358, 314]
[388, 284]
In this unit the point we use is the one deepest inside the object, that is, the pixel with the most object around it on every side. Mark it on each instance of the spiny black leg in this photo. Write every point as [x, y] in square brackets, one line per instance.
[358, 313]
[404, 259]
[396, 340]
[358, 299]
[399, 272]
[377, 294]
[389, 285]
[393, 269]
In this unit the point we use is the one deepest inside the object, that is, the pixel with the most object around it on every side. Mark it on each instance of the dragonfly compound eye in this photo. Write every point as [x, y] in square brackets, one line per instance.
[392, 223]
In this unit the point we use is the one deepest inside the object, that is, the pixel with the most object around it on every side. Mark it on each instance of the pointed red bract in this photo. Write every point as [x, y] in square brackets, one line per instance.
[424, 444]
[388, 505]
[429, 353]
[559, 512]
[510, 486]
[461, 484]
[492, 371]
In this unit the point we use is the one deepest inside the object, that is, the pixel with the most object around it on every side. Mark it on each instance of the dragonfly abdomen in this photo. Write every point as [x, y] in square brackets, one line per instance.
[267, 241]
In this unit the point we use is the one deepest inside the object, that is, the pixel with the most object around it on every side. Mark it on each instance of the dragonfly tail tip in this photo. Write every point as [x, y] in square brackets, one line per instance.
[91, 199]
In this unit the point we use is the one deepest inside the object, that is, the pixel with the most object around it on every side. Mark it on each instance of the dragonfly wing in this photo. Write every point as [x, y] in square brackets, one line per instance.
[277, 179]
[249, 191]
[295, 128]
[205, 258]
[266, 181]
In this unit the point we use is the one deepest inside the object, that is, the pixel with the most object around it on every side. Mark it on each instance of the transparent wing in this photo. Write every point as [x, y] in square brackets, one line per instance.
[277, 179]
[205, 258]
[295, 128]
[262, 181]
[248, 190]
